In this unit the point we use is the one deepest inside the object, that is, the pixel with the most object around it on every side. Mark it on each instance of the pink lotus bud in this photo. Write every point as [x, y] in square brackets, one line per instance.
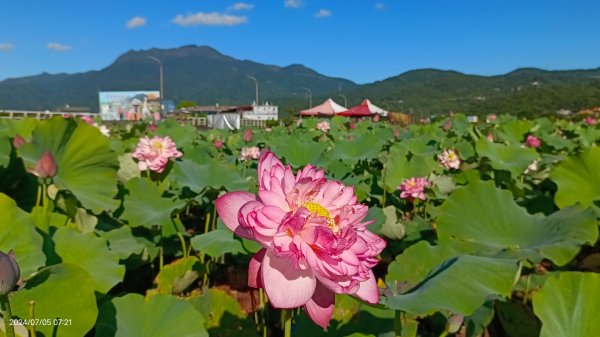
[350, 137]
[396, 133]
[490, 137]
[18, 141]
[9, 272]
[218, 144]
[352, 125]
[45, 167]
[248, 135]
[152, 127]
[533, 141]
[376, 118]
[447, 124]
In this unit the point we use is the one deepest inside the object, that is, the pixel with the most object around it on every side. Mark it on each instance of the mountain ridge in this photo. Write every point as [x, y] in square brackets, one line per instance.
[207, 76]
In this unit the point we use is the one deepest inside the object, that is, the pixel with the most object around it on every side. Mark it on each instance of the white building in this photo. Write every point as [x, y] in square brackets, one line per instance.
[261, 112]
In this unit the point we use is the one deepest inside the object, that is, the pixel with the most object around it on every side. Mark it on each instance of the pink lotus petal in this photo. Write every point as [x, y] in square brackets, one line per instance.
[367, 290]
[228, 206]
[286, 286]
[320, 307]
[254, 276]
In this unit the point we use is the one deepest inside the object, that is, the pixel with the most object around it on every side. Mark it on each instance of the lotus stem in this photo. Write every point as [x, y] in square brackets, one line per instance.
[287, 316]
[45, 198]
[398, 322]
[32, 332]
[38, 200]
[183, 245]
[7, 315]
[384, 198]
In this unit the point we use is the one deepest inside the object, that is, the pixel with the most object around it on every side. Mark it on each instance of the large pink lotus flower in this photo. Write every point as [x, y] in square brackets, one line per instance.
[414, 188]
[449, 159]
[249, 153]
[533, 141]
[314, 236]
[323, 126]
[154, 154]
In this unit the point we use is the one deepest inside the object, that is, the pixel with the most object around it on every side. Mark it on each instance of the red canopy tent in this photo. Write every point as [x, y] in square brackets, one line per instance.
[327, 108]
[365, 109]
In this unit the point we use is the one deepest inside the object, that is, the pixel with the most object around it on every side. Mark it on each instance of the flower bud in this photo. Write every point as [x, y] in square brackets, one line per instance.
[45, 167]
[18, 141]
[9, 272]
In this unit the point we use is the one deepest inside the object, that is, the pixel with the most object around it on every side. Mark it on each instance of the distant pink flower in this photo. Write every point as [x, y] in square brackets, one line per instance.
[249, 153]
[323, 126]
[87, 119]
[414, 188]
[590, 120]
[154, 154]
[490, 137]
[396, 133]
[248, 135]
[350, 137]
[314, 237]
[491, 118]
[376, 118]
[449, 159]
[352, 125]
[533, 141]
[152, 127]
[218, 144]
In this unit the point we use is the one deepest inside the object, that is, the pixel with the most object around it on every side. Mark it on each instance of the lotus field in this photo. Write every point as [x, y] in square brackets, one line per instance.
[328, 227]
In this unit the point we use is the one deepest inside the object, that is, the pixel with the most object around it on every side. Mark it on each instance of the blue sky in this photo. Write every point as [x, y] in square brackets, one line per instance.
[362, 40]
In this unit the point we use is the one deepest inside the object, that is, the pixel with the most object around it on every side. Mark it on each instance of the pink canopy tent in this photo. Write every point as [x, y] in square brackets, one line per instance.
[365, 109]
[327, 108]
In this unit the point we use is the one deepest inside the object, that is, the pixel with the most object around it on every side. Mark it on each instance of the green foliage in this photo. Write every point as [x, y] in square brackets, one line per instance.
[157, 316]
[569, 305]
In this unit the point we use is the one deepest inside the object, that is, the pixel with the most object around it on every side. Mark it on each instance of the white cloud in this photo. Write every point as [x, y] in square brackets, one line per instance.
[6, 47]
[57, 46]
[293, 3]
[136, 22]
[241, 6]
[209, 19]
[379, 6]
[323, 13]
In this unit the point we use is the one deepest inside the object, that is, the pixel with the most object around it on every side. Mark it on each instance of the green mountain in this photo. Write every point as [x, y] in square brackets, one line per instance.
[201, 74]
[526, 91]
[204, 75]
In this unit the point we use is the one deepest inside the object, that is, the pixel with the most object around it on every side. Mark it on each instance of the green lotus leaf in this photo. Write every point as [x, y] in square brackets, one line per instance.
[224, 315]
[213, 174]
[569, 305]
[64, 292]
[161, 315]
[512, 158]
[122, 242]
[128, 168]
[578, 178]
[416, 262]
[145, 206]
[86, 165]
[296, 152]
[461, 285]
[494, 224]
[182, 135]
[362, 147]
[398, 167]
[176, 276]
[217, 242]
[17, 232]
[90, 253]
[514, 131]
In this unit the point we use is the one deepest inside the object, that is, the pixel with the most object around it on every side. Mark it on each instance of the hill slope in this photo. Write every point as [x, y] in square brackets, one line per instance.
[190, 72]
